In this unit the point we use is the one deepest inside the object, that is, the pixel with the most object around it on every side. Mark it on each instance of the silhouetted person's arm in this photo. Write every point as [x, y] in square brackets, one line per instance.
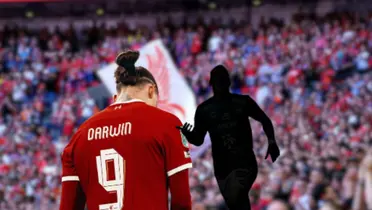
[195, 136]
[259, 115]
[200, 129]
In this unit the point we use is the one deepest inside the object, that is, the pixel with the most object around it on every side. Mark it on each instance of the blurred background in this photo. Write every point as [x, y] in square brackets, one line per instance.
[306, 62]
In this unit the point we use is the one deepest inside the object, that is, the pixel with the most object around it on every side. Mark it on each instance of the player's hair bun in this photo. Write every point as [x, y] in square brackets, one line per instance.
[127, 60]
[128, 74]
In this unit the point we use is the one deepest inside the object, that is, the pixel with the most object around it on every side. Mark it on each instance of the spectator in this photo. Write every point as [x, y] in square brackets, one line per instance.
[277, 205]
[363, 194]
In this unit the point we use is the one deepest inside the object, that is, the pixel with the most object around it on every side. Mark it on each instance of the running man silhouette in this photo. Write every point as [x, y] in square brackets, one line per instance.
[225, 117]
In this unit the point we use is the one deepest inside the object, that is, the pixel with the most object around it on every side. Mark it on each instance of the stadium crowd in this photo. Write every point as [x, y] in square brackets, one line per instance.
[312, 76]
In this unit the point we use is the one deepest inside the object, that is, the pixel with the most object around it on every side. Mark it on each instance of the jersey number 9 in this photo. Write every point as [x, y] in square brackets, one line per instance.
[115, 185]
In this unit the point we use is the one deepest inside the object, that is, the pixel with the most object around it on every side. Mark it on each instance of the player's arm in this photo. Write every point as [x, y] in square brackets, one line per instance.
[259, 115]
[178, 161]
[180, 191]
[200, 129]
[73, 197]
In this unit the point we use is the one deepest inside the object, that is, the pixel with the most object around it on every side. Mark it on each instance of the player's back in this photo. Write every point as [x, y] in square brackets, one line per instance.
[119, 159]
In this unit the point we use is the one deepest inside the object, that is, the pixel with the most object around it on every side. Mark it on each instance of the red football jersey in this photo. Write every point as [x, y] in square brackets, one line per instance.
[123, 155]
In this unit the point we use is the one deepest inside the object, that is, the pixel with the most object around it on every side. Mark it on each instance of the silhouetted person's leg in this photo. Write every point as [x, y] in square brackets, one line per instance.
[235, 187]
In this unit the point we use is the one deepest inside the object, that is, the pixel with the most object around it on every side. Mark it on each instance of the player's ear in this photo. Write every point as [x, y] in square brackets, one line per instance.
[115, 97]
[151, 91]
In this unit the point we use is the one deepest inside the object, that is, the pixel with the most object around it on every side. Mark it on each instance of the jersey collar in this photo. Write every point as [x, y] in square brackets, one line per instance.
[127, 102]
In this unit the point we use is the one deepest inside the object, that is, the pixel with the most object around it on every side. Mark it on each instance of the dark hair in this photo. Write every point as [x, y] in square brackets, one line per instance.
[127, 74]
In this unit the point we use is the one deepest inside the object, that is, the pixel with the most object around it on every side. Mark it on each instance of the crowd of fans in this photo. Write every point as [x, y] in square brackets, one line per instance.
[312, 77]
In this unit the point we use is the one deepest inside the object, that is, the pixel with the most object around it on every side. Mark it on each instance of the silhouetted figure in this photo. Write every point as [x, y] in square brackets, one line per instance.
[225, 117]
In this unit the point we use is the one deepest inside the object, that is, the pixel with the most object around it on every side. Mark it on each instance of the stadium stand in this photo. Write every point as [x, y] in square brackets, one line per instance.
[312, 76]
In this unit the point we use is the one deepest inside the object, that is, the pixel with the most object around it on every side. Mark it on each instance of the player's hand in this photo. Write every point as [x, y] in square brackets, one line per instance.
[186, 130]
[273, 150]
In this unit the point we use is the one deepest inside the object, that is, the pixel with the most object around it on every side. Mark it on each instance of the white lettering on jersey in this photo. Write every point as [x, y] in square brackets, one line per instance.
[110, 131]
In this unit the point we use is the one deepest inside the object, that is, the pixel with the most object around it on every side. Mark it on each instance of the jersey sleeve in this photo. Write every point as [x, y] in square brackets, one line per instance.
[72, 196]
[176, 148]
[68, 168]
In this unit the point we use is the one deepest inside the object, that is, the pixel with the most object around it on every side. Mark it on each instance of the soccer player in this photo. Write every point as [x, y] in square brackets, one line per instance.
[127, 156]
[225, 117]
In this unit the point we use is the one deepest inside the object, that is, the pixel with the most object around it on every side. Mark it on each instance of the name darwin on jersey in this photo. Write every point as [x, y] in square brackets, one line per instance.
[110, 131]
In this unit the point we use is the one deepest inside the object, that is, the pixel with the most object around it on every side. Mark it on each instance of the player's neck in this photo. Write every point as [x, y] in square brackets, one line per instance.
[125, 97]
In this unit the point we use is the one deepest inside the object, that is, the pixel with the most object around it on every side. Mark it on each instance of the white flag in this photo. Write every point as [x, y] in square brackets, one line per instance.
[175, 96]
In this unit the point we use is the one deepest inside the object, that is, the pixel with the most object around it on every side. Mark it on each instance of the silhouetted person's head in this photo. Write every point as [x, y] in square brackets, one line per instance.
[220, 80]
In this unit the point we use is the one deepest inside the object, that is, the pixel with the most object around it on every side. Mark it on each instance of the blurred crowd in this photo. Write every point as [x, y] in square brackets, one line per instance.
[312, 76]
